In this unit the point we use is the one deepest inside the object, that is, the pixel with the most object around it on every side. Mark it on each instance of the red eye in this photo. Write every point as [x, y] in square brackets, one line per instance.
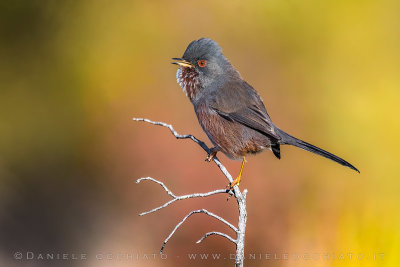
[202, 63]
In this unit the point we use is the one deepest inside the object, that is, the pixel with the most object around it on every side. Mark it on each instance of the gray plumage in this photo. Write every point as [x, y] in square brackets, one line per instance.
[229, 110]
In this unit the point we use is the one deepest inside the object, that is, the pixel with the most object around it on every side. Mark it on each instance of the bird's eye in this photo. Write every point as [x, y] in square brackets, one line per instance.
[202, 63]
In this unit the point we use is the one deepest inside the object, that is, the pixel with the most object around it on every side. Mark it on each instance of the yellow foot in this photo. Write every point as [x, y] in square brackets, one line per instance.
[231, 185]
[235, 182]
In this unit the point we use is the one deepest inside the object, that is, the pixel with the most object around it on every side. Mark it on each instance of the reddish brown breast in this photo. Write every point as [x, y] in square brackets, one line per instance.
[233, 139]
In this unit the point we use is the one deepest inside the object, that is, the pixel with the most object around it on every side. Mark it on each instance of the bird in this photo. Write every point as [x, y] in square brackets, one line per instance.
[229, 110]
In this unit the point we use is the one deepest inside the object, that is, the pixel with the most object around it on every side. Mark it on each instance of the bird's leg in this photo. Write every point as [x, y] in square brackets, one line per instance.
[212, 154]
[237, 180]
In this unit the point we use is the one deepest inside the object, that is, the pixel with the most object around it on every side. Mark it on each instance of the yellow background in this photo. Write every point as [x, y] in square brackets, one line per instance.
[74, 73]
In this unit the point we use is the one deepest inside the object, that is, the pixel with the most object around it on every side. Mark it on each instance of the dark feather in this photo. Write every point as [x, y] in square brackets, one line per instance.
[250, 119]
[276, 149]
[290, 140]
[229, 104]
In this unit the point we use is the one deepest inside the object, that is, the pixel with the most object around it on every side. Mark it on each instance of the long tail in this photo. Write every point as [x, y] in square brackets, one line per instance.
[290, 140]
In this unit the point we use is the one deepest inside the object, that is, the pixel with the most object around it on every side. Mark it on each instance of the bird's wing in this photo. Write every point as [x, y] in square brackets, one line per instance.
[239, 102]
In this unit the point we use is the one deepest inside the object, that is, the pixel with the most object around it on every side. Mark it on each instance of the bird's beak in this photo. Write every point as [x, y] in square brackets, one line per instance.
[183, 63]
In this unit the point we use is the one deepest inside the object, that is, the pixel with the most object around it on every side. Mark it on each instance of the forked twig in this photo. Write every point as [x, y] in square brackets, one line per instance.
[176, 198]
[194, 212]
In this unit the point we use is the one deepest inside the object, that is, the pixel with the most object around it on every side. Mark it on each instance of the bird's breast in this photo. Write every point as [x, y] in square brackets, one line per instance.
[232, 138]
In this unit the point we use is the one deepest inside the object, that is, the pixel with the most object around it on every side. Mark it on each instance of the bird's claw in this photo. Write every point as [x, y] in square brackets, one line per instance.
[208, 158]
[229, 190]
[231, 185]
[211, 155]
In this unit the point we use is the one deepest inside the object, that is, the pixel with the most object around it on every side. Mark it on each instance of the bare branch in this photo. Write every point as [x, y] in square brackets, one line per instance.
[190, 214]
[217, 233]
[175, 133]
[158, 182]
[240, 198]
[199, 142]
[176, 198]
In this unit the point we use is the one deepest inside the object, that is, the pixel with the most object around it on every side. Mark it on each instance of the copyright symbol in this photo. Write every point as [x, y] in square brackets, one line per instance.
[18, 255]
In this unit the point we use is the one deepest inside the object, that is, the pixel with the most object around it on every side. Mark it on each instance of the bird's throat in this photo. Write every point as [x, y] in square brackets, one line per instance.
[188, 79]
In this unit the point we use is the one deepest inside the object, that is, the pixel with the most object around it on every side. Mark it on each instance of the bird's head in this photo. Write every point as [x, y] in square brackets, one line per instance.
[201, 66]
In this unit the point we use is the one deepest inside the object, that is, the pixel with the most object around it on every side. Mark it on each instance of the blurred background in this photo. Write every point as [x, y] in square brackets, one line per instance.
[73, 74]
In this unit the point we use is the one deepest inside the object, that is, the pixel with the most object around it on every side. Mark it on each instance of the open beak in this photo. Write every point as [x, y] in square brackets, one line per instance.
[183, 63]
